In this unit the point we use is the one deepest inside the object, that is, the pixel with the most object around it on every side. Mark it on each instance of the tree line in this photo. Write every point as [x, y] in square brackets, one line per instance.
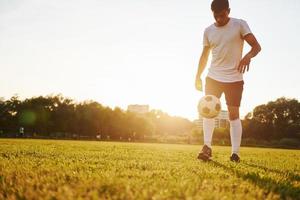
[58, 116]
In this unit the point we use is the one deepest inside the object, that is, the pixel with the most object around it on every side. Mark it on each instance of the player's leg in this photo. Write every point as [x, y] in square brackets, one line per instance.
[233, 96]
[235, 131]
[212, 87]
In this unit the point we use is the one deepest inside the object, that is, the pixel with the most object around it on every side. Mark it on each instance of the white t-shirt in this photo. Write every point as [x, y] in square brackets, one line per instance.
[226, 43]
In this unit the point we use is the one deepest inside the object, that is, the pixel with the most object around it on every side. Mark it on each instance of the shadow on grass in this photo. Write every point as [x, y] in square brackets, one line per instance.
[283, 188]
[292, 176]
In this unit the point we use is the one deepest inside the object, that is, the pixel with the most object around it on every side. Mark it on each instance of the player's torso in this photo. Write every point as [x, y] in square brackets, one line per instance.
[227, 36]
[226, 45]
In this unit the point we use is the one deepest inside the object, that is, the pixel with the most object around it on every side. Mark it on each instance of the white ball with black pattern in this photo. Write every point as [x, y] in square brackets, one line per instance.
[209, 106]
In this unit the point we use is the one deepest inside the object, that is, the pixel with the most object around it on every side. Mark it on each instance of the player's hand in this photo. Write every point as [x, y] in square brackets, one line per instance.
[198, 84]
[244, 64]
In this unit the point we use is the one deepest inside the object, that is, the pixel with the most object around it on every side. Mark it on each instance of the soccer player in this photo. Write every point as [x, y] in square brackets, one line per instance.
[225, 39]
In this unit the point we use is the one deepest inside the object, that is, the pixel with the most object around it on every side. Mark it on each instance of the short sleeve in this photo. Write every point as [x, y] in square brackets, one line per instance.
[205, 38]
[244, 28]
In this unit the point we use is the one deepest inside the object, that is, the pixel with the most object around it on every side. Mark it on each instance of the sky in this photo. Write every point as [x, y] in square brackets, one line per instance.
[121, 52]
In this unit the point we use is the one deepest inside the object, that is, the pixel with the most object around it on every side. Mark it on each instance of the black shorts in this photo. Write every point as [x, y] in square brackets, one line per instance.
[233, 91]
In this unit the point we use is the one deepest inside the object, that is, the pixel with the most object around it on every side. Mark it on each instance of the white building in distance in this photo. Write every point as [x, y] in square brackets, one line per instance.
[221, 121]
[140, 109]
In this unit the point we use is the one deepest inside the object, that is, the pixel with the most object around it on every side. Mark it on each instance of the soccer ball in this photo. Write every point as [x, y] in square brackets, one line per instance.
[209, 106]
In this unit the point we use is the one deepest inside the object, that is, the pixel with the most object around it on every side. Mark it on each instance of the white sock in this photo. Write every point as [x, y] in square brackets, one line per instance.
[208, 129]
[235, 135]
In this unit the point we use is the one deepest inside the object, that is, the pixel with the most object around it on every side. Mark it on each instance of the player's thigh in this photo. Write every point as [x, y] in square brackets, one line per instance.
[233, 95]
[213, 87]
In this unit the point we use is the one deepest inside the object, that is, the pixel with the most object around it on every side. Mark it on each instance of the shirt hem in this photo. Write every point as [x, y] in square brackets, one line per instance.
[226, 80]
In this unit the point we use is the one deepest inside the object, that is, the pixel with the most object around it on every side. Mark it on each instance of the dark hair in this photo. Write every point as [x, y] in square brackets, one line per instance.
[219, 5]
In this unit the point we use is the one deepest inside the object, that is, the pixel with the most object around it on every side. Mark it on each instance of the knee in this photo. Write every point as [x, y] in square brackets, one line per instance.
[233, 116]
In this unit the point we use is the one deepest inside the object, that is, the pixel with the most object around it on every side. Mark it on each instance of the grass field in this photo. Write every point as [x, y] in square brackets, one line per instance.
[49, 169]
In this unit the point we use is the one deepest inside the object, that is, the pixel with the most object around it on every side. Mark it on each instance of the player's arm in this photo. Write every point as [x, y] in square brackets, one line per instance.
[255, 49]
[201, 67]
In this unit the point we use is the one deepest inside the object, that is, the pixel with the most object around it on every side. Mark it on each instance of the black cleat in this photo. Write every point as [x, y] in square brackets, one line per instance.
[235, 158]
[205, 153]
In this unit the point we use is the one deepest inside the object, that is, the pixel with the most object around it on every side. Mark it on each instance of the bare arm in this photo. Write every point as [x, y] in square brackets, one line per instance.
[201, 67]
[255, 49]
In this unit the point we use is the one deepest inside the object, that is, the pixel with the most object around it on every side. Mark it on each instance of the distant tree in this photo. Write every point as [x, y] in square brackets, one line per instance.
[274, 120]
[166, 124]
[62, 115]
[10, 111]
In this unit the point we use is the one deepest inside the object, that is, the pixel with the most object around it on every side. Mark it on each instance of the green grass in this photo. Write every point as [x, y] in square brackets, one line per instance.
[49, 169]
